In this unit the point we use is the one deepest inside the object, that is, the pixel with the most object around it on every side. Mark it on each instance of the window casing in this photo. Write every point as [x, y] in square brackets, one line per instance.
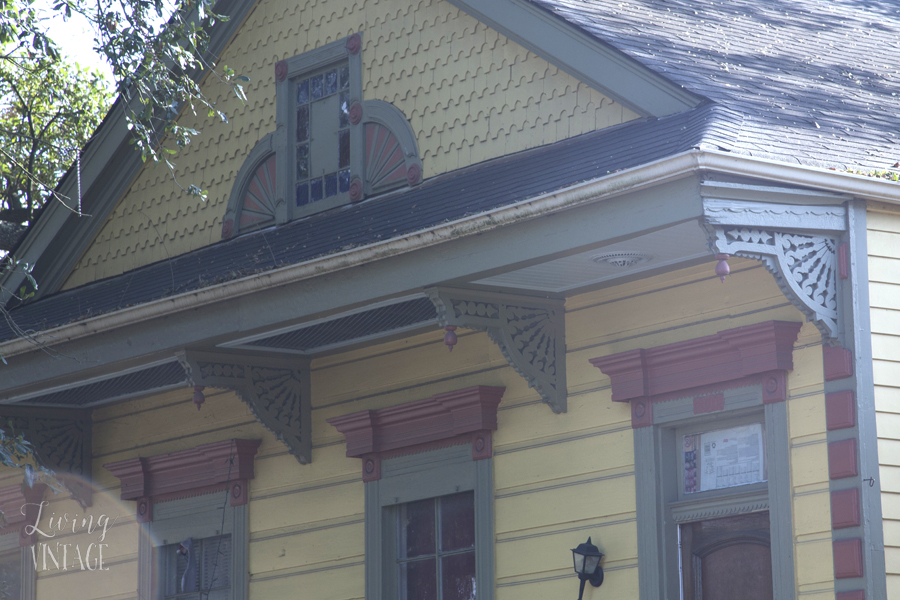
[445, 481]
[17, 572]
[663, 505]
[323, 151]
[218, 532]
[330, 146]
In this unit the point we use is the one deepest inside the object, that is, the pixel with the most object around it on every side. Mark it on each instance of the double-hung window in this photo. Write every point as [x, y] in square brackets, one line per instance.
[429, 528]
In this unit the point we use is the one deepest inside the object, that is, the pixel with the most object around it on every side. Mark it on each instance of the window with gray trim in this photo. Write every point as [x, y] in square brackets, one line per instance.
[18, 574]
[203, 536]
[330, 146]
[429, 527]
[664, 505]
[323, 153]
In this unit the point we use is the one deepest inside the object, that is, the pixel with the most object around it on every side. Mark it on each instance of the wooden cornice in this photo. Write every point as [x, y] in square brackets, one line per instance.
[762, 351]
[20, 504]
[208, 468]
[461, 416]
[727, 355]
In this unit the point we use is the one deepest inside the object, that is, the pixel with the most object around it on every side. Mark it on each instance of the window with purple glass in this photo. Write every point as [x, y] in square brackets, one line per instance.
[322, 140]
[430, 527]
[436, 548]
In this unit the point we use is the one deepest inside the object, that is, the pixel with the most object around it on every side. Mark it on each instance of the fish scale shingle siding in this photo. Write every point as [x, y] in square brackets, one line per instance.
[469, 93]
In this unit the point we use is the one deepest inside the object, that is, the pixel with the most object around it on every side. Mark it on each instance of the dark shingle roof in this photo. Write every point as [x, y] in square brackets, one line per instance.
[817, 82]
[807, 81]
[469, 191]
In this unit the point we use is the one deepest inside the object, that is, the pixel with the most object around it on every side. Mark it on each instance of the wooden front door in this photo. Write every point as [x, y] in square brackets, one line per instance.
[727, 558]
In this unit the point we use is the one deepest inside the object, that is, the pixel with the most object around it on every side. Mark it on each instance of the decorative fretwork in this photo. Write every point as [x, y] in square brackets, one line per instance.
[62, 442]
[797, 243]
[804, 267]
[277, 390]
[529, 331]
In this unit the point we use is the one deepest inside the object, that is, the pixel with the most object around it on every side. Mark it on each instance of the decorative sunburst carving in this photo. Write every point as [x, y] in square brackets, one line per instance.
[276, 391]
[385, 163]
[258, 206]
[530, 332]
[804, 267]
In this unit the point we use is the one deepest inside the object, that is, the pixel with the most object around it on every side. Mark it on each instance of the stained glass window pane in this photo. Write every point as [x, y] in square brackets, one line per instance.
[303, 123]
[316, 87]
[345, 77]
[345, 110]
[302, 162]
[419, 580]
[458, 576]
[417, 528]
[315, 190]
[303, 194]
[331, 82]
[344, 181]
[331, 185]
[303, 92]
[344, 151]
[458, 521]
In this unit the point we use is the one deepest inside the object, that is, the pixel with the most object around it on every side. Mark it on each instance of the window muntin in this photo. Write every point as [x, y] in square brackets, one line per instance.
[436, 548]
[322, 134]
[197, 569]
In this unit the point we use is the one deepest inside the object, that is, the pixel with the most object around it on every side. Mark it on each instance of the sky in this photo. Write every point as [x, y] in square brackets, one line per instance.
[74, 37]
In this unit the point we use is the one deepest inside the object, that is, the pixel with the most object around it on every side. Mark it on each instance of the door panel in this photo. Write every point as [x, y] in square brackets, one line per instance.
[727, 559]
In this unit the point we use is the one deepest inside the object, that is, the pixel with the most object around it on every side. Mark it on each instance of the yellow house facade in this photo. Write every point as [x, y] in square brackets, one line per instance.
[476, 282]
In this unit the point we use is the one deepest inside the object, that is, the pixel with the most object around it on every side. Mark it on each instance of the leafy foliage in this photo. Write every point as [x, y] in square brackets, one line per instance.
[48, 111]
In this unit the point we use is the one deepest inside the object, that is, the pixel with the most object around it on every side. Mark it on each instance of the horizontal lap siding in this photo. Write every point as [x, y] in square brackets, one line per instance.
[558, 478]
[884, 291]
[469, 93]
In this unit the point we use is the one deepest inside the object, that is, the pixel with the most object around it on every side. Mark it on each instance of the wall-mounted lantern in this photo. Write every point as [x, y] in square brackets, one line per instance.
[587, 565]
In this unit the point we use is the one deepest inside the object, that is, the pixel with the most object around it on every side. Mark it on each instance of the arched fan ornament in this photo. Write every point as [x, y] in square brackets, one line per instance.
[392, 158]
[259, 201]
[385, 163]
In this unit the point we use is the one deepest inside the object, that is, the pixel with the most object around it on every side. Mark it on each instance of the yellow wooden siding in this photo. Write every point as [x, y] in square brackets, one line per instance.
[469, 93]
[558, 478]
[884, 296]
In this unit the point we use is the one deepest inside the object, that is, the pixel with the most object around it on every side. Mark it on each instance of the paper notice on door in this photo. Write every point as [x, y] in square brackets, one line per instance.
[732, 457]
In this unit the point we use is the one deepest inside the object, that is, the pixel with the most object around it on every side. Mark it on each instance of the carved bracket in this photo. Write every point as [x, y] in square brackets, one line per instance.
[462, 416]
[797, 244]
[62, 442]
[205, 469]
[530, 332]
[276, 389]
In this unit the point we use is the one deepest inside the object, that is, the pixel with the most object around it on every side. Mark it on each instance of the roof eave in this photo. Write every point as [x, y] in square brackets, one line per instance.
[109, 165]
[582, 55]
[651, 174]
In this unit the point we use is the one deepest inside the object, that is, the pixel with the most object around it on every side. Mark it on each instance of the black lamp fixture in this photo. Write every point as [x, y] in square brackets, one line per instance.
[587, 565]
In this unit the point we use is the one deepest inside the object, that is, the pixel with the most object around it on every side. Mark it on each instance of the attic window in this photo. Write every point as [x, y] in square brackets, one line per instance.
[329, 148]
[323, 124]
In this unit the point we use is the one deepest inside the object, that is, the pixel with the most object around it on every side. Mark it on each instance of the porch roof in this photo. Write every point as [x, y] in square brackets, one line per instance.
[465, 192]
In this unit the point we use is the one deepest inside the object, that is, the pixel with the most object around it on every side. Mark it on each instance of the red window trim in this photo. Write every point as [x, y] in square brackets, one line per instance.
[760, 353]
[462, 416]
[200, 470]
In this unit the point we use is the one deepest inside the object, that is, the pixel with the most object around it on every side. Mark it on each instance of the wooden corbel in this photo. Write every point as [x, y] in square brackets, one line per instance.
[61, 438]
[530, 332]
[277, 390]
